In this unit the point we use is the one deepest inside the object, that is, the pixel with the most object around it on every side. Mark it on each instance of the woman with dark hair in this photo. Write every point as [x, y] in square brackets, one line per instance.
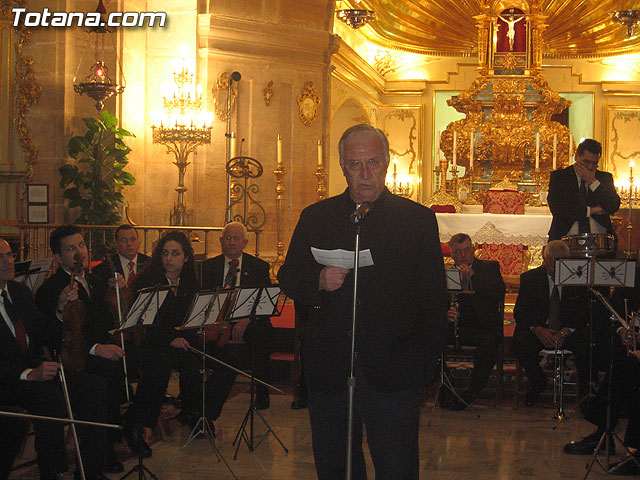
[172, 264]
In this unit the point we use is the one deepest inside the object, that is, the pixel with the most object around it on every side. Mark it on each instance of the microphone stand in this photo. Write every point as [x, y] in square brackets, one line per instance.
[351, 382]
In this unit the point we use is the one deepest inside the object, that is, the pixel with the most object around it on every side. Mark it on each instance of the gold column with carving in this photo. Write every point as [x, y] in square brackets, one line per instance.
[279, 172]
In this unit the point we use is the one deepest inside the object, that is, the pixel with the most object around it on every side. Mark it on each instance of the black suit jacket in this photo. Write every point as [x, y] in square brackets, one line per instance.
[402, 299]
[532, 304]
[103, 270]
[484, 307]
[13, 361]
[254, 273]
[99, 319]
[567, 207]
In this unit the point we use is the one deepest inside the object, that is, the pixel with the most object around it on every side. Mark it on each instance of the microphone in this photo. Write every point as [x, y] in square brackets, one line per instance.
[361, 211]
[235, 77]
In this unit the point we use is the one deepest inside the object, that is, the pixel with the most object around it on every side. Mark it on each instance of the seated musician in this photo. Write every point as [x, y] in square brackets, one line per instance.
[29, 380]
[625, 384]
[99, 354]
[549, 316]
[172, 264]
[479, 322]
[127, 261]
[250, 272]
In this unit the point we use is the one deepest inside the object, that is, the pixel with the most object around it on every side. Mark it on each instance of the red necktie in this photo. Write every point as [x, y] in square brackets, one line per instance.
[232, 273]
[18, 326]
[132, 273]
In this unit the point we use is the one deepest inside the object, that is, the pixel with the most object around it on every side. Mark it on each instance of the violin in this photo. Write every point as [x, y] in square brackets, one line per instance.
[218, 334]
[74, 349]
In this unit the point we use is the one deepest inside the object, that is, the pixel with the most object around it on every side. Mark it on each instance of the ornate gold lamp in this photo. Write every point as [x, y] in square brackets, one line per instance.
[628, 18]
[356, 17]
[182, 127]
[98, 85]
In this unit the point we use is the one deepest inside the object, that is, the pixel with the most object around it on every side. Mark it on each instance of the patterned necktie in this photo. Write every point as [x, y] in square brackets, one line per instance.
[132, 273]
[232, 273]
[554, 309]
[18, 326]
[583, 224]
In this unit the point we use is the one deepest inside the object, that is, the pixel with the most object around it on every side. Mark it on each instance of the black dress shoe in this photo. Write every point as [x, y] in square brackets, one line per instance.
[628, 468]
[114, 466]
[262, 402]
[588, 444]
[188, 418]
[299, 403]
[135, 442]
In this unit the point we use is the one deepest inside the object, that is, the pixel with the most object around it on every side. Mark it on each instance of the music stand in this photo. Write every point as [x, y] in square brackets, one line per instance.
[254, 303]
[207, 308]
[142, 314]
[455, 286]
[32, 273]
[620, 273]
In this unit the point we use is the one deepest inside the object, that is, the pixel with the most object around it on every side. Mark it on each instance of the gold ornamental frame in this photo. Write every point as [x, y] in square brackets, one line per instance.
[308, 103]
[220, 93]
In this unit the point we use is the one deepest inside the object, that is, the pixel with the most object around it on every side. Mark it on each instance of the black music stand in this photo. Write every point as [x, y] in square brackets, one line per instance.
[207, 308]
[619, 273]
[254, 303]
[143, 313]
[455, 286]
[32, 273]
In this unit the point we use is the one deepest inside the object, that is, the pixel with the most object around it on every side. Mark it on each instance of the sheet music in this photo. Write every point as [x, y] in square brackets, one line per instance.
[198, 310]
[138, 309]
[341, 258]
[454, 279]
[268, 302]
[244, 303]
[572, 272]
[616, 272]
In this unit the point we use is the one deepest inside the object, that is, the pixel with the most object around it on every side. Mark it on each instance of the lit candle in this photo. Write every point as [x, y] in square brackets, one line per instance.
[471, 150]
[455, 140]
[555, 149]
[232, 145]
[320, 154]
[537, 150]
[279, 149]
[570, 148]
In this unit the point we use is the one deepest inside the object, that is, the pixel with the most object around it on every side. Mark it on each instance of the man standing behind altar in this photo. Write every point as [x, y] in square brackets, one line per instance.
[400, 315]
[582, 198]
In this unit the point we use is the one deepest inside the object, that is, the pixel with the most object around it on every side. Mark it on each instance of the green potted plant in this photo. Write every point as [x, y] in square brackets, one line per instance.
[95, 182]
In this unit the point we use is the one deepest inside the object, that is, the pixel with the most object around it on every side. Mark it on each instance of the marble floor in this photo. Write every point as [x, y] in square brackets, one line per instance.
[487, 443]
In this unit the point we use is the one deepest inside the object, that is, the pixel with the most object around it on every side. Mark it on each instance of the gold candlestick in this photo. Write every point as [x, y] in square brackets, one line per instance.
[279, 172]
[322, 188]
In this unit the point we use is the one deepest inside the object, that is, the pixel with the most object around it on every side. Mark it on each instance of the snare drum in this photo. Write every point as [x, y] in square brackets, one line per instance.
[589, 244]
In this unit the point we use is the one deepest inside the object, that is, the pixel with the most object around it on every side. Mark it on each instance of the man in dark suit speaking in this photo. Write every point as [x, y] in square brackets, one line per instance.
[234, 268]
[582, 198]
[401, 309]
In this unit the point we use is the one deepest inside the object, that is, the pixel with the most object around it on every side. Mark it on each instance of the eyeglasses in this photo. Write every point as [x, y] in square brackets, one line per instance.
[356, 165]
[9, 256]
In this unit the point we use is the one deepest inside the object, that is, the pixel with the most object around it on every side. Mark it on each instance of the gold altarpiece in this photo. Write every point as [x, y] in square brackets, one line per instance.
[507, 138]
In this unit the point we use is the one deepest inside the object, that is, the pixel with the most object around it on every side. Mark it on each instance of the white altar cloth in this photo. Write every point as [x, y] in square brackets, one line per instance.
[496, 228]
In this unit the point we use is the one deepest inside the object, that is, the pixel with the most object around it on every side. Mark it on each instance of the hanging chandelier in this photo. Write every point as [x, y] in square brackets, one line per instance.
[98, 85]
[356, 17]
[628, 18]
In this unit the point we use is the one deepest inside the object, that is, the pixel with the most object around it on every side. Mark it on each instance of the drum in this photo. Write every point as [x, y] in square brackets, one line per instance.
[590, 244]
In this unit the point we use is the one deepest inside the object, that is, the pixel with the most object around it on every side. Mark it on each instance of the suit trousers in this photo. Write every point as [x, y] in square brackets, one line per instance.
[87, 395]
[485, 356]
[392, 420]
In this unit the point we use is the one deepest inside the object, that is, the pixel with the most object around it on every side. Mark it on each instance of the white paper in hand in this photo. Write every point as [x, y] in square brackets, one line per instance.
[341, 258]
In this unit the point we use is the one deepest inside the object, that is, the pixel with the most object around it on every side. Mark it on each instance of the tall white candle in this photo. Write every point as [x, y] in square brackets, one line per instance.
[455, 140]
[555, 149]
[319, 153]
[232, 145]
[471, 149]
[570, 148]
[537, 150]
[279, 149]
